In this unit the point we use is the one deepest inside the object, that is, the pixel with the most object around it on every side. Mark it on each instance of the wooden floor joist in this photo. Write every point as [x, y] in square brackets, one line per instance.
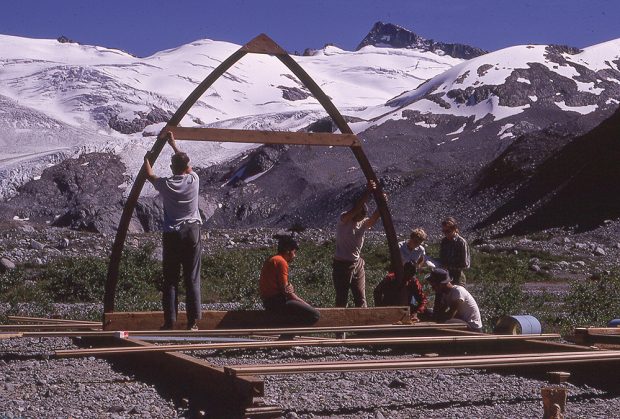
[9, 335]
[48, 327]
[450, 340]
[593, 335]
[409, 329]
[237, 319]
[485, 362]
[203, 383]
[26, 319]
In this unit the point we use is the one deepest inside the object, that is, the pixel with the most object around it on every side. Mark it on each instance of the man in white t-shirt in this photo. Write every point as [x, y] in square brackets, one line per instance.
[457, 304]
[348, 266]
[181, 236]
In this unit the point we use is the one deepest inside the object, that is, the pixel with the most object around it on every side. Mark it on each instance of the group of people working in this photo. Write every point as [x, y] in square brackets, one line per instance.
[182, 251]
[453, 303]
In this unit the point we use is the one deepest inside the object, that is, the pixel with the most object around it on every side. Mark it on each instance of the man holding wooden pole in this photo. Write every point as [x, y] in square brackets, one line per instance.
[181, 236]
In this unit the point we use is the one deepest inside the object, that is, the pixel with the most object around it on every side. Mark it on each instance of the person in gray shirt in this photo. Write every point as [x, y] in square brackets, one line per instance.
[348, 265]
[181, 236]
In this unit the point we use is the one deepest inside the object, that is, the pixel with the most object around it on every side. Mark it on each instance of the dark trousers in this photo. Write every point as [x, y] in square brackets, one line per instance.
[181, 249]
[457, 276]
[349, 275]
[292, 311]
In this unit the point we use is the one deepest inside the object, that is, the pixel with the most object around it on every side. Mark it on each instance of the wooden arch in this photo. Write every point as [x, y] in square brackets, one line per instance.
[262, 44]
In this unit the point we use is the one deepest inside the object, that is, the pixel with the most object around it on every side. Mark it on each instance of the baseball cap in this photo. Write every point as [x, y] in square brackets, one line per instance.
[439, 276]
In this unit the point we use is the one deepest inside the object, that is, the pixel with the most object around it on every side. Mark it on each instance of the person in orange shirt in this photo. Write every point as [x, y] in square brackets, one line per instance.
[276, 291]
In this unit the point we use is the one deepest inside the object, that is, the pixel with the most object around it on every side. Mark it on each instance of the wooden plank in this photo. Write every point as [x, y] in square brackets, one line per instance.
[330, 317]
[264, 137]
[408, 341]
[26, 319]
[588, 335]
[485, 362]
[389, 328]
[48, 326]
[10, 335]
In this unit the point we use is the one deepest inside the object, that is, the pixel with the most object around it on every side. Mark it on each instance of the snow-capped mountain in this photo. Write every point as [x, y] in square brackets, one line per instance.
[510, 81]
[108, 99]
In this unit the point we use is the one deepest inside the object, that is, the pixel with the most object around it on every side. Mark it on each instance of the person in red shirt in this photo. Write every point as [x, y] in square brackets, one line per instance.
[276, 291]
[388, 290]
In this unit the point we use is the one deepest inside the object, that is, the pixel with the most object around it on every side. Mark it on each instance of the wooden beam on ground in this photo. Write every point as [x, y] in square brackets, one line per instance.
[48, 326]
[408, 341]
[26, 319]
[589, 335]
[205, 384]
[265, 137]
[238, 319]
[10, 335]
[484, 362]
[416, 328]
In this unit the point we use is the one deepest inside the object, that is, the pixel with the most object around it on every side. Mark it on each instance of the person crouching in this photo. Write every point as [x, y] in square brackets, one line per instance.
[456, 304]
[388, 292]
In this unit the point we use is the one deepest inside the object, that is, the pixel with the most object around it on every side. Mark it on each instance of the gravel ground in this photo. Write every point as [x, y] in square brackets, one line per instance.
[33, 384]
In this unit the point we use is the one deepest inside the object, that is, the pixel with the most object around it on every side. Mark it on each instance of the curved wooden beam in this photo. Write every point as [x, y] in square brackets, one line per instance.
[262, 44]
[341, 123]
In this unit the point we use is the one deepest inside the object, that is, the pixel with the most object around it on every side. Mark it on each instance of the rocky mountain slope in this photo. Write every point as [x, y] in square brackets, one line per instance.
[446, 135]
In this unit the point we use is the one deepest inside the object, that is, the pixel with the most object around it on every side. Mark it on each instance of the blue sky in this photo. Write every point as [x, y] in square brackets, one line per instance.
[143, 27]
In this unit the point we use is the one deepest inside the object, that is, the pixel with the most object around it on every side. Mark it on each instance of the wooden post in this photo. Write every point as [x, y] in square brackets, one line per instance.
[554, 397]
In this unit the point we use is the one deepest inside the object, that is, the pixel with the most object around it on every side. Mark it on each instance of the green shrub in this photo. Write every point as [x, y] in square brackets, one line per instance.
[82, 280]
[592, 302]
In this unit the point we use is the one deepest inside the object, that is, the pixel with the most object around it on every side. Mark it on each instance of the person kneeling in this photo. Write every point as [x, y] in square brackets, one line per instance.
[277, 293]
[456, 304]
[388, 292]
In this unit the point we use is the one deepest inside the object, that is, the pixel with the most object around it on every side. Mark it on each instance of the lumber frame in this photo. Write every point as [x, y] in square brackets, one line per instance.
[255, 318]
[527, 361]
[262, 44]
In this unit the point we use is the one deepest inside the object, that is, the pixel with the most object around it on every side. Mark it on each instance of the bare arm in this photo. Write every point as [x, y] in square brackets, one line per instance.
[449, 313]
[372, 220]
[148, 169]
[172, 142]
[347, 216]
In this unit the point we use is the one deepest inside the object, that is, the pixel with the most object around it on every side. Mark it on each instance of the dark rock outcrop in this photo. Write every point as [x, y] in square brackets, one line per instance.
[141, 120]
[387, 34]
[80, 193]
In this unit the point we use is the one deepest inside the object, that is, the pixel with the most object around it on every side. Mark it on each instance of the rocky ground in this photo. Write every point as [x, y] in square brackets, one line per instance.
[33, 384]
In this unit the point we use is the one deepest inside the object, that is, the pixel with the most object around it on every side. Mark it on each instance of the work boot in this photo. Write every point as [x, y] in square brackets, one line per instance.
[192, 326]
